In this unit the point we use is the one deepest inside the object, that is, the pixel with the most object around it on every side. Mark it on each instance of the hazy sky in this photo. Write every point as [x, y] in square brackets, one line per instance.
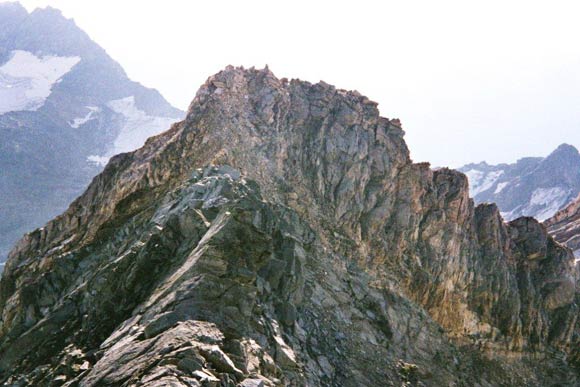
[470, 80]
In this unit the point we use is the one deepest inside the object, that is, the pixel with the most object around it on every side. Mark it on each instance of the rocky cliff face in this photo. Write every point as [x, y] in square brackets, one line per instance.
[281, 235]
[65, 108]
[534, 186]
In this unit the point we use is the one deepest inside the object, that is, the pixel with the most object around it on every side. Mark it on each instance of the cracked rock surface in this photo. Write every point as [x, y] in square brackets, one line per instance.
[281, 236]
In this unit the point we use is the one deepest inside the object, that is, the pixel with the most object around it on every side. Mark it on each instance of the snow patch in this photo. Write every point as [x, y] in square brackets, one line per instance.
[480, 181]
[26, 80]
[543, 204]
[91, 115]
[138, 127]
[546, 195]
[474, 176]
[549, 199]
[500, 187]
[511, 215]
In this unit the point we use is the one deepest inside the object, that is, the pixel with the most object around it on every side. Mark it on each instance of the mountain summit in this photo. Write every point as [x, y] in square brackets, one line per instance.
[533, 186]
[281, 236]
[65, 108]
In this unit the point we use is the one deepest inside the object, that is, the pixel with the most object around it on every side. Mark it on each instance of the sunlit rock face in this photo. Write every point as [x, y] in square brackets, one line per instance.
[65, 108]
[281, 236]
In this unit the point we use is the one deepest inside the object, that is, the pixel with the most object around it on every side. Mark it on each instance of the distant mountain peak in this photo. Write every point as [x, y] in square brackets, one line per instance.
[566, 146]
[565, 150]
[481, 164]
[64, 88]
[533, 186]
[49, 11]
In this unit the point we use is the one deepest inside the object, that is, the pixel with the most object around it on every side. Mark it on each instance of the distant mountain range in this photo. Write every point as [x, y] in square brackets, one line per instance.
[533, 186]
[66, 107]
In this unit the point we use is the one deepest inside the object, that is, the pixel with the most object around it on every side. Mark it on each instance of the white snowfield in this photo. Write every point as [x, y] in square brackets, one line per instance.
[138, 127]
[543, 203]
[480, 181]
[26, 80]
[500, 187]
[550, 200]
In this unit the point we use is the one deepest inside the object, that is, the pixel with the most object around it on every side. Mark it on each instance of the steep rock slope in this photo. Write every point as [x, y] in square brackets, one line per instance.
[281, 235]
[65, 108]
[533, 186]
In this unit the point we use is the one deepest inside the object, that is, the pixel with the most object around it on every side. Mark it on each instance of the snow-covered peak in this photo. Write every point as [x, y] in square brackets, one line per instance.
[533, 186]
[26, 80]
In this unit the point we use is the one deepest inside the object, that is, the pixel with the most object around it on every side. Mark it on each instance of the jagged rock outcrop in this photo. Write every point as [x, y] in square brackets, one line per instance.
[533, 186]
[564, 226]
[281, 235]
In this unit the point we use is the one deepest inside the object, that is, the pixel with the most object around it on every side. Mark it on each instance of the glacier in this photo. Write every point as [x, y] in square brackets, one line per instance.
[26, 80]
[137, 128]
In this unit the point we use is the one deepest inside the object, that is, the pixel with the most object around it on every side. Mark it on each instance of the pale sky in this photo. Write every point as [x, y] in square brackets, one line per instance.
[470, 80]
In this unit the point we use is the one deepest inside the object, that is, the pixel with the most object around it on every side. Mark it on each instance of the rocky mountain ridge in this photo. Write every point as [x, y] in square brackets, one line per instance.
[533, 186]
[65, 107]
[281, 235]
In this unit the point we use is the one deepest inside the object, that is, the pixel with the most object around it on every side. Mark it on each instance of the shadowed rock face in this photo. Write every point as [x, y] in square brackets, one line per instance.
[281, 235]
